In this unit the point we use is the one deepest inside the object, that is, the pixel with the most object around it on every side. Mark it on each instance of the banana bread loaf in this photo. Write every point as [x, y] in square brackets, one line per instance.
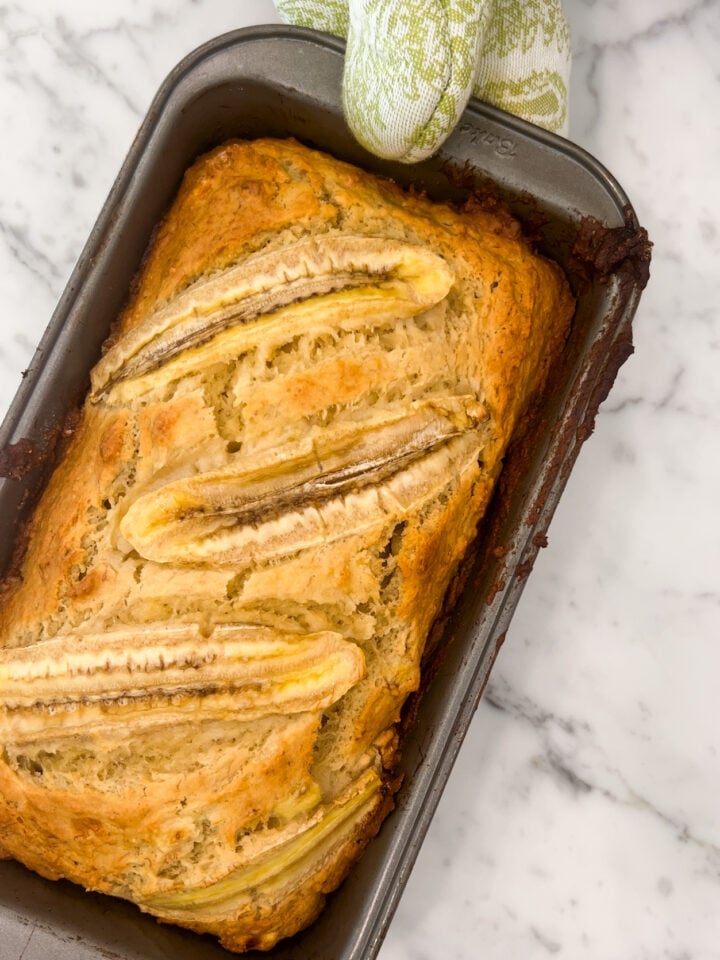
[289, 441]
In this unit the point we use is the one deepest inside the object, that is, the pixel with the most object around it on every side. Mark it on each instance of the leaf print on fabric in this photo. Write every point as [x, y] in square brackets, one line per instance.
[518, 26]
[411, 64]
[525, 64]
[330, 16]
[540, 98]
[409, 72]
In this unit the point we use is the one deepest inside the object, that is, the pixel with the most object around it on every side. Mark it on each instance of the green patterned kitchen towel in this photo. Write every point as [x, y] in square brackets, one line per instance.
[412, 64]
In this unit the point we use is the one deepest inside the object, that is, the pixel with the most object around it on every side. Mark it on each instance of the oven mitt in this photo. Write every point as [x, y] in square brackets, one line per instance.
[411, 65]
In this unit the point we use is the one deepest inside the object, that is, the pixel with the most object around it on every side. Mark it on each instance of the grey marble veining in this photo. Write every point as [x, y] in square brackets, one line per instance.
[582, 817]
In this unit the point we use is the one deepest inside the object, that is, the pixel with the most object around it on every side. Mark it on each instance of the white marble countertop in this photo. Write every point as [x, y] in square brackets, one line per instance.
[583, 817]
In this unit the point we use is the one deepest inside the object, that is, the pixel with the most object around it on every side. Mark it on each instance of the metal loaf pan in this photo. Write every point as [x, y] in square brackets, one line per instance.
[280, 81]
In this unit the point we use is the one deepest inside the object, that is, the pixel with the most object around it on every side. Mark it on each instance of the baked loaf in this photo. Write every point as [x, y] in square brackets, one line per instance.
[229, 580]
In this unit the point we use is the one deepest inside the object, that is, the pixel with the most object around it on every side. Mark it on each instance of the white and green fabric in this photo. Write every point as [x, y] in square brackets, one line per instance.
[411, 65]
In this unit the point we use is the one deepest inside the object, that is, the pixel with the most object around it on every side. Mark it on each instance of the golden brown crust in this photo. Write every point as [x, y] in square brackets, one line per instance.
[290, 441]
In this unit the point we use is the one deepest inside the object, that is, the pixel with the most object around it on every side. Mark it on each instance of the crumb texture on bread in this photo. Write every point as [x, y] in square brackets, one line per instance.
[229, 580]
